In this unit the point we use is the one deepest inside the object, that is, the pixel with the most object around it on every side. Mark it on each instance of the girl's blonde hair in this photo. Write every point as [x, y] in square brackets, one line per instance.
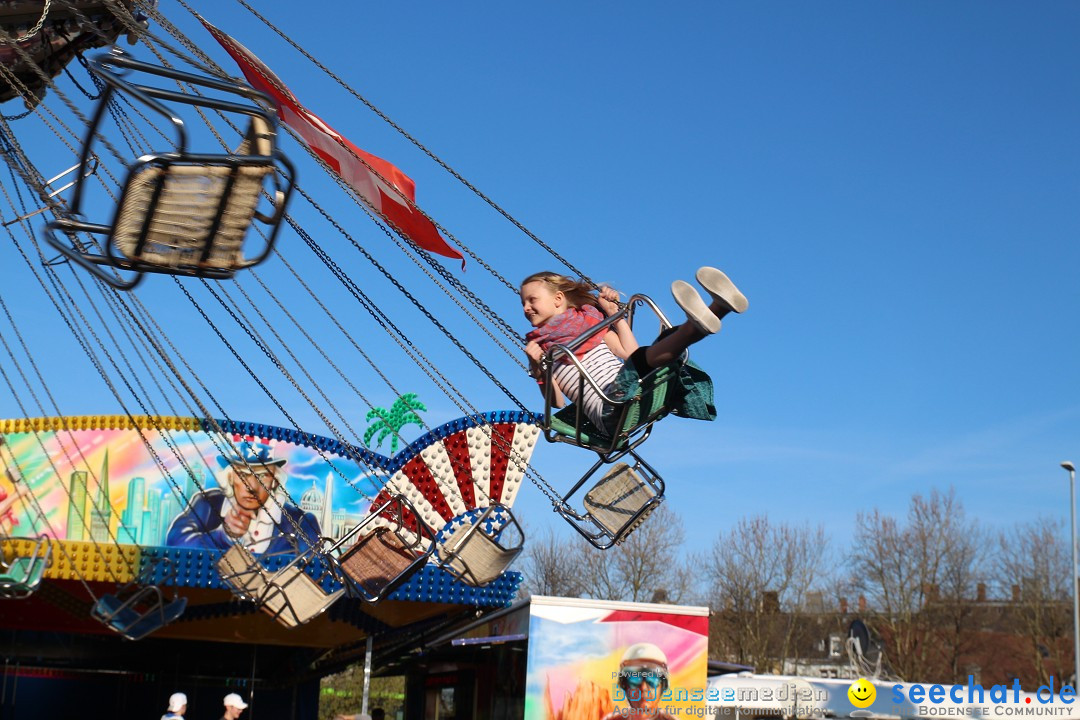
[578, 293]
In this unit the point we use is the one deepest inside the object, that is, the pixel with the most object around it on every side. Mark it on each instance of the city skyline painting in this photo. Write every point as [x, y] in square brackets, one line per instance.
[127, 486]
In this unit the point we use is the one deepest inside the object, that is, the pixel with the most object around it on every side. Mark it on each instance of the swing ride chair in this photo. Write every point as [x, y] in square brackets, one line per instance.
[289, 595]
[616, 505]
[139, 608]
[476, 554]
[621, 500]
[634, 416]
[383, 557]
[20, 575]
[180, 213]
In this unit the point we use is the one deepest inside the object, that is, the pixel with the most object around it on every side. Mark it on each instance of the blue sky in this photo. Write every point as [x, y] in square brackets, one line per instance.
[893, 185]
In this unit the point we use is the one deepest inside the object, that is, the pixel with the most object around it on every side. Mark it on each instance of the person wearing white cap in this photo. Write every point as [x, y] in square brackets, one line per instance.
[177, 707]
[234, 705]
[643, 679]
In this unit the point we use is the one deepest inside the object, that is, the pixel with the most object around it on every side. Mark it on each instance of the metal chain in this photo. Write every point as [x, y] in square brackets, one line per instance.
[86, 349]
[424, 149]
[308, 438]
[491, 315]
[124, 17]
[441, 270]
[77, 84]
[7, 40]
[460, 401]
[419, 306]
[48, 81]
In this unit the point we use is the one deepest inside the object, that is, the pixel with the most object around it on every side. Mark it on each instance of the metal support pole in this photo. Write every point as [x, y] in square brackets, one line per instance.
[1076, 594]
[367, 675]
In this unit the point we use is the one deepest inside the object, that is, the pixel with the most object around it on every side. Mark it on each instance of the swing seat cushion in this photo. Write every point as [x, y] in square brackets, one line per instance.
[180, 223]
[585, 432]
[479, 559]
[620, 501]
[293, 598]
[378, 560]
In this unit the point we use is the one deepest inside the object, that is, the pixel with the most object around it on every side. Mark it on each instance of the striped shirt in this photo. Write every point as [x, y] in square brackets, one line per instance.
[603, 367]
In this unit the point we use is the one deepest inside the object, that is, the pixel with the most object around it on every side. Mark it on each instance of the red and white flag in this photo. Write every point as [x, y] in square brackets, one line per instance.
[390, 192]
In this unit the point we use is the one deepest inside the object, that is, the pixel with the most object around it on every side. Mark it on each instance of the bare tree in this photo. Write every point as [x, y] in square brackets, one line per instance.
[1035, 559]
[646, 567]
[759, 575]
[918, 578]
[552, 566]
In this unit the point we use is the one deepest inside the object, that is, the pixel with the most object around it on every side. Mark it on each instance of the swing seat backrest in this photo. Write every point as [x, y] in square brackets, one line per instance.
[21, 576]
[242, 573]
[140, 614]
[293, 598]
[479, 559]
[192, 218]
[473, 555]
[379, 562]
[620, 501]
[385, 553]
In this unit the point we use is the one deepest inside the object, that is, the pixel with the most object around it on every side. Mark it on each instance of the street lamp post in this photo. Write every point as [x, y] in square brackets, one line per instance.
[1076, 598]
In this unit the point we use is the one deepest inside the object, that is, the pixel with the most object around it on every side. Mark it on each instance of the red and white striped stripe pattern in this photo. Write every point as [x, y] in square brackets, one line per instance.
[473, 467]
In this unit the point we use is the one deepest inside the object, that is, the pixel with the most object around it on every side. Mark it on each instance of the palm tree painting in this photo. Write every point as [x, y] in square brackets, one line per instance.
[390, 422]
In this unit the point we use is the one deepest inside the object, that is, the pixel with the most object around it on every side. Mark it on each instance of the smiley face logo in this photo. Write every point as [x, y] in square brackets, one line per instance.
[862, 693]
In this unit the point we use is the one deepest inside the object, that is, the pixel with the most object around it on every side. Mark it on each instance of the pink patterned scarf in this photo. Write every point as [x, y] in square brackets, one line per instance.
[566, 326]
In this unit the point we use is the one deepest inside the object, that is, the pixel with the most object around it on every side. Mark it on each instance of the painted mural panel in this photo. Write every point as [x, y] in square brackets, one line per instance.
[178, 487]
[173, 482]
[604, 660]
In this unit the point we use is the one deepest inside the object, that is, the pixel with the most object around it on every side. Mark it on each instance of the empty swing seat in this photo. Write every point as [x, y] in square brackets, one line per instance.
[385, 555]
[139, 608]
[288, 595]
[140, 614]
[243, 574]
[21, 575]
[617, 504]
[180, 213]
[479, 550]
[293, 598]
[377, 560]
[190, 219]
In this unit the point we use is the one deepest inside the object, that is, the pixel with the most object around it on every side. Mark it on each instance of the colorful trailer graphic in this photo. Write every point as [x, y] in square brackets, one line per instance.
[590, 659]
